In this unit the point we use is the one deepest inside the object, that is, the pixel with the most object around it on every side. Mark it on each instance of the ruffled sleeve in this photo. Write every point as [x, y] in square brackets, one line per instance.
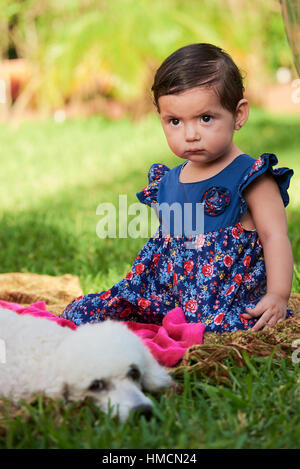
[148, 195]
[263, 164]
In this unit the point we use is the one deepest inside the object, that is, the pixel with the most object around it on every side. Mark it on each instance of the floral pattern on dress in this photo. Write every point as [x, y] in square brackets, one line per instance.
[148, 195]
[216, 200]
[212, 285]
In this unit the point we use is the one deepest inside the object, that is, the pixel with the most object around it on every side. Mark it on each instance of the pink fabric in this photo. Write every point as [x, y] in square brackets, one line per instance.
[167, 343]
[37, 309]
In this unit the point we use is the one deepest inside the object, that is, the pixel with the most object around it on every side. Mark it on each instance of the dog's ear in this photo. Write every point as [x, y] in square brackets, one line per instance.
[155, 376]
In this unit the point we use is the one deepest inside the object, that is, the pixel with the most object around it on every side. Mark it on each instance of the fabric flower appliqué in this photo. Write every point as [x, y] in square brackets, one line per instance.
[216, 200]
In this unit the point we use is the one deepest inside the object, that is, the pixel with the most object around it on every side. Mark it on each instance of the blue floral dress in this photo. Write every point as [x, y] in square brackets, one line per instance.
[214, 280]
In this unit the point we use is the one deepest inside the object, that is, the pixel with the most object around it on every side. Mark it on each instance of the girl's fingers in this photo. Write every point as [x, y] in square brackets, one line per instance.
[272, 321]
[255, 312]
[246, 316]
[265, 314]
[275, 319]
[262, 321]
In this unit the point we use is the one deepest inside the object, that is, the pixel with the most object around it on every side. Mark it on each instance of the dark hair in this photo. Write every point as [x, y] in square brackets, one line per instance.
[200, 65]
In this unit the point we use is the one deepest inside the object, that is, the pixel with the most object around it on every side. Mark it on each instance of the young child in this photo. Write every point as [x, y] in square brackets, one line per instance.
[237, 273]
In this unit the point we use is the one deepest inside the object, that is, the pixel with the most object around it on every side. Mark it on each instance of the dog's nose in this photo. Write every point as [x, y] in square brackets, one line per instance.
[145, 410]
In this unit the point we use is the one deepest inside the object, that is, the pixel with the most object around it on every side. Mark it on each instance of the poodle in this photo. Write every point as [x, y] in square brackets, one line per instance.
[104, 361]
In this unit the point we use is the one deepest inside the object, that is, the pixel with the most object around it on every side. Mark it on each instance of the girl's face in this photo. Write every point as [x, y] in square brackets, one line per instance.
[196, 126]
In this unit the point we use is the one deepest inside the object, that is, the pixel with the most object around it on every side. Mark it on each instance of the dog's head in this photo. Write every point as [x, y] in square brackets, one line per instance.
[110, 364]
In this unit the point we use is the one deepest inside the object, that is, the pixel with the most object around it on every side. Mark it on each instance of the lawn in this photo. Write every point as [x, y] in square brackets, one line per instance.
[53, 177]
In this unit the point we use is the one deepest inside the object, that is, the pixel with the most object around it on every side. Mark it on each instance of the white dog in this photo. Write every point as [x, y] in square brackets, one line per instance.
[105, 361]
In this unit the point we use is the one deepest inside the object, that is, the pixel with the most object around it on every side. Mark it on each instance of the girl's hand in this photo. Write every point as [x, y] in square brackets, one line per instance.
[266, 206]
[271, 308]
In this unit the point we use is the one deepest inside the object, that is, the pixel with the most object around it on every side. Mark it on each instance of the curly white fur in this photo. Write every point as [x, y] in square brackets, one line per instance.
[104, 361]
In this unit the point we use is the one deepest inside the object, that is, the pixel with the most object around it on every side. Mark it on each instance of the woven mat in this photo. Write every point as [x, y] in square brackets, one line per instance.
[27, 288]
[208, 358]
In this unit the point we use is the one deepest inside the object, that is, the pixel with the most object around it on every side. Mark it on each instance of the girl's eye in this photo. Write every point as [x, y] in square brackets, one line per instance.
[175, 122]
[206, 118]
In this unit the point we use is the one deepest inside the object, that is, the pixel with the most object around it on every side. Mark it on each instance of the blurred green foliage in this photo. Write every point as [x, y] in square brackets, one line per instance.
[112, 47]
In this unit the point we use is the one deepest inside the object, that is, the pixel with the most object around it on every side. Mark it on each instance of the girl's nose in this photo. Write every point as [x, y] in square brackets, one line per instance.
[192, 132]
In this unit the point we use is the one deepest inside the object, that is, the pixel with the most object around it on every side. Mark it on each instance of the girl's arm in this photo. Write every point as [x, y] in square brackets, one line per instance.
[266, 207]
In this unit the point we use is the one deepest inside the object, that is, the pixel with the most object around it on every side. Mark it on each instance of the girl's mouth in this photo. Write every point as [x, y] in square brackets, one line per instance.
[192, 152]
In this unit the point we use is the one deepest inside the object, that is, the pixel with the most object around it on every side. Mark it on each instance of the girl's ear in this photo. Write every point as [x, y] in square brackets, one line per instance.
[241, 113]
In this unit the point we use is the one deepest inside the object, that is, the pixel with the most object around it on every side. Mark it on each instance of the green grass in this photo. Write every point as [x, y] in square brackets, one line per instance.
[53, 176]
[260, 410]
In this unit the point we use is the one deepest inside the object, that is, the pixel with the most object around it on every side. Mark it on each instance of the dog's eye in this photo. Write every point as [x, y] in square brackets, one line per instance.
[97, 385]
[134, 373]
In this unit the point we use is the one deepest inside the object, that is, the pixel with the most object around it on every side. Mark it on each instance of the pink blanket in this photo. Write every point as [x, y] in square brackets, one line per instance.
[167, 343]
[37, 309]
